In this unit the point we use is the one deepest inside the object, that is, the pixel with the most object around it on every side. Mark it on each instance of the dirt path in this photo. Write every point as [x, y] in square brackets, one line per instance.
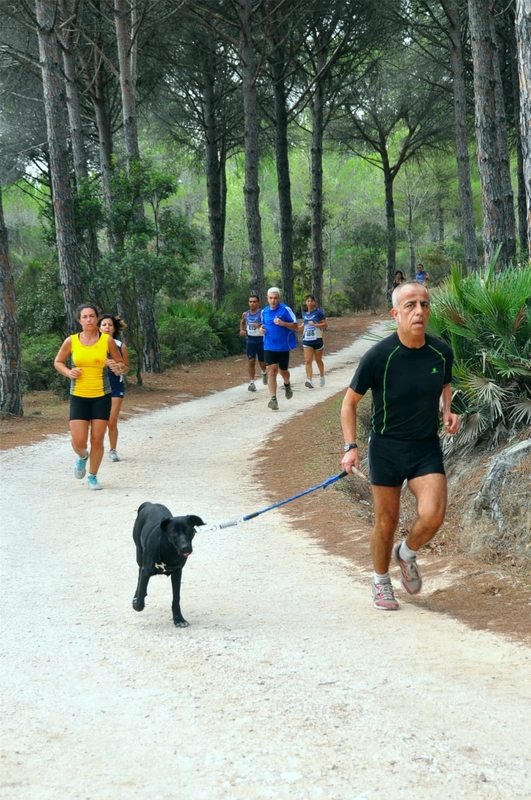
[288, 684]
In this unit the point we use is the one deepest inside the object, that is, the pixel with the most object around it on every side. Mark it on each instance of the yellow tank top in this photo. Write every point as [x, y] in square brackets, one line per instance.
[94, 380]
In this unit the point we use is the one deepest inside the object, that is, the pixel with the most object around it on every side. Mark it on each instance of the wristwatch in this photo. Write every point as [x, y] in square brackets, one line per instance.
[347, 447]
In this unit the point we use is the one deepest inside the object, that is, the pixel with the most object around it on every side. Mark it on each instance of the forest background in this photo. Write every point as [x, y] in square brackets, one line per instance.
[129, 130]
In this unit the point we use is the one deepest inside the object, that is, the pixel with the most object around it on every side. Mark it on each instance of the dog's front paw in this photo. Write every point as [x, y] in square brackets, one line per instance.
[138, 604]
[180, 622]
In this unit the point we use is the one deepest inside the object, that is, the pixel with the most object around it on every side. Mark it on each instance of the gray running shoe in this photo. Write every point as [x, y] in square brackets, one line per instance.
[411, 580]
[288, 390]
[308, 384]
[322, 380]
[273, 404]
[93, 484]
[80, 467]
[264, 378]
[252, 387]
[113, 455]
[383, 596]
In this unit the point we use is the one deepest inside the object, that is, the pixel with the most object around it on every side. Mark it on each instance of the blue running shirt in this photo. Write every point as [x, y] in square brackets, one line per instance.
[278, 338]
[311, 333]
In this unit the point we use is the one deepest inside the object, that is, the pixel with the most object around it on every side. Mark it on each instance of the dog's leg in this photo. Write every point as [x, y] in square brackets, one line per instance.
[178, 619]
[141, 590]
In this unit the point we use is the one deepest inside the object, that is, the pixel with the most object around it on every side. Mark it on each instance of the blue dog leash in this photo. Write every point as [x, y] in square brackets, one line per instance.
[223, 525]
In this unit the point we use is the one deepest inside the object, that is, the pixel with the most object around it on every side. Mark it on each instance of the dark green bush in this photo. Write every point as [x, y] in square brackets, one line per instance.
[38, 372]
[184, 340]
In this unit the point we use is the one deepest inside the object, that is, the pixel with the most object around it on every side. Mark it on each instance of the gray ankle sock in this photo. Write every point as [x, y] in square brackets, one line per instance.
[406, 553]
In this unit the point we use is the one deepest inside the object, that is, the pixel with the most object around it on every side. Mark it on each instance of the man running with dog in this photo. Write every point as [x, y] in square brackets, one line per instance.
[409, 374]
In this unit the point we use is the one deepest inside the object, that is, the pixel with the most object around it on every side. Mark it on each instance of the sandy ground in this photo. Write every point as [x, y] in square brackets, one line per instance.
[287, 684]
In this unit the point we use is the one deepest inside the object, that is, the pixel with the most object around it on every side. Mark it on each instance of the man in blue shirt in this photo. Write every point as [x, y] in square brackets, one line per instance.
[421, 276]
[279, 324]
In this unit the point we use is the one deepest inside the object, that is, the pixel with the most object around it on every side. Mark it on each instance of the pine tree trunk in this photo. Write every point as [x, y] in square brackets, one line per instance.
[73, 105]
[56, 126]
[283, 178]
[10, 373]
[523, 42]
[410, 239]
[461, 136]
[317, 109]
[126, 60]
[127, 79]
[521, 211]
[491, 137]
[252, 156]
[390, 218]
[213, 179]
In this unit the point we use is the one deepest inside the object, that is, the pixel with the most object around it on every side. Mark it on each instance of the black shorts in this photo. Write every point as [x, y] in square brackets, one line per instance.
[317, 344]
[255, 350]
[273, 357]
[88, 408]
[393, 461]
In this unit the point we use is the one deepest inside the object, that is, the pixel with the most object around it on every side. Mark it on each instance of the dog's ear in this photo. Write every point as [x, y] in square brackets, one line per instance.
[194, 521]
[165, 522]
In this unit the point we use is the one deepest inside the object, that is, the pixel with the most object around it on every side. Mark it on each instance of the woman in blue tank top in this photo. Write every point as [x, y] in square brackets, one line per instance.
[114, 327]
[313, 323]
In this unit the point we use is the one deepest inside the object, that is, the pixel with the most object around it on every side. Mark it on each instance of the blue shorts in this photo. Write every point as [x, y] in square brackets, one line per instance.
[255, 350]
[317, 344]
[89, 408]
[117, 384]
[393, 461]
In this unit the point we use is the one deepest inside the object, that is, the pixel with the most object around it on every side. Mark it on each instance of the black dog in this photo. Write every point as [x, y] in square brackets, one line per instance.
[163, 543]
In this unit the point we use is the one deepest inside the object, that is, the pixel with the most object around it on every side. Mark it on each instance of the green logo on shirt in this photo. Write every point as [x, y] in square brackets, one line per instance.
[434, 370]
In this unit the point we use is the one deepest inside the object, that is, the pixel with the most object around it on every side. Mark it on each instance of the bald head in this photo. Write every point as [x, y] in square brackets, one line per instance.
[406, 285]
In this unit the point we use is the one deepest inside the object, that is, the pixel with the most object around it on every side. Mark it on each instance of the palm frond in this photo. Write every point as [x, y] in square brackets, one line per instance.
[520, 411]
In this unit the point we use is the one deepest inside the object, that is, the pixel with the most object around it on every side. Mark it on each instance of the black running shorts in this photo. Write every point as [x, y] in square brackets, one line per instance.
[393, 461]
[88, 408]
[274, 357]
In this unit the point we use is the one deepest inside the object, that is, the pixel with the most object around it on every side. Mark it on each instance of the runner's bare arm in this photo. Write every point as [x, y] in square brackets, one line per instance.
[450, 421]
[349, 424]
[61, 358]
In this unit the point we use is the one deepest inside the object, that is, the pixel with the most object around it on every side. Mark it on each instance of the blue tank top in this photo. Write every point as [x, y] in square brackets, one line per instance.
[253, 334]
[116, 381]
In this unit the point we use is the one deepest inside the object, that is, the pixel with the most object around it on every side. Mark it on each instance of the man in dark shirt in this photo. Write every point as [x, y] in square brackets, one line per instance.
[409, 374]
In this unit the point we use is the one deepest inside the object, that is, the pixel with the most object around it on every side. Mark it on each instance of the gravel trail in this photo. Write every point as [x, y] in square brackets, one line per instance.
[287, 684]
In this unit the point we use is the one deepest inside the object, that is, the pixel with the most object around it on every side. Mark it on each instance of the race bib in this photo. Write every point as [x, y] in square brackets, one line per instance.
[251, 331]
[311, 333]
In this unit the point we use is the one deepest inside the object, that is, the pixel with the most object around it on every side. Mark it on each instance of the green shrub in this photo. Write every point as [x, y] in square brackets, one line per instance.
[336, 304]
[184, 340]
[223, 325]
[38, 371]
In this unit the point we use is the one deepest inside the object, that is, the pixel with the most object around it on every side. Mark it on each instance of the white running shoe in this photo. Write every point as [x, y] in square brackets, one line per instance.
[322, 380]
[308, 384]
[251, 387]
[93, 484]
[113, 455]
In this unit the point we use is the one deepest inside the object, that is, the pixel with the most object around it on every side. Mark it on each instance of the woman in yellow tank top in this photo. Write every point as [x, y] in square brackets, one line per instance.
[90, 389]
